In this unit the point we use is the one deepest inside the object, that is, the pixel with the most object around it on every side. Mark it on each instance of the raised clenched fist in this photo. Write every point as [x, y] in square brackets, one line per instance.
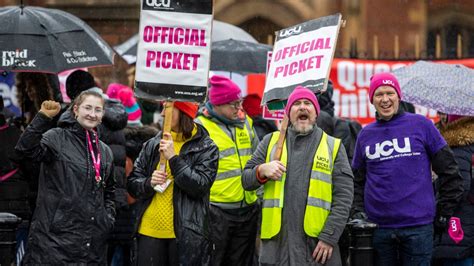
[50, 108]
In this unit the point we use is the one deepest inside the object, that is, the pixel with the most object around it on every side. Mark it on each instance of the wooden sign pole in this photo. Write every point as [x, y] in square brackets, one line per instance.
[281, 139]
[166, 129]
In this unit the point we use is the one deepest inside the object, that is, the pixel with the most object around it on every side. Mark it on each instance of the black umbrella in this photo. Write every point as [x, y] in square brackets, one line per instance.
[48, 40]
[239, 56]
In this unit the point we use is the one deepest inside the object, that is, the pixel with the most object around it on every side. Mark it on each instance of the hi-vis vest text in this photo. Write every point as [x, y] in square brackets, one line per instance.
[233, 155]
[319, 200]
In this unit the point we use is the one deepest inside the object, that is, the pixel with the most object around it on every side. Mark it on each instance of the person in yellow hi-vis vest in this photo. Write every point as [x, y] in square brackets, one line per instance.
[307, 193]
[234, 212]
[173, 224]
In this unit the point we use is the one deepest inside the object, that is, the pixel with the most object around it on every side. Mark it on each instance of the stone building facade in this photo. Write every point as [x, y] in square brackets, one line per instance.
[369, 24]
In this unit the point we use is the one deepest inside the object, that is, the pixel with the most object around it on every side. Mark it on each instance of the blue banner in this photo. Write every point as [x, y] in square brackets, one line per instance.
[8, 92]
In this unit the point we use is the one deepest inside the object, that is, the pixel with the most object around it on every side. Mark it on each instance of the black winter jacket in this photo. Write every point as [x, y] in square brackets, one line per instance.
[194, 171]
[14, 189]
[111, 133]
[263, 126]
[73, 213]
[460, 137]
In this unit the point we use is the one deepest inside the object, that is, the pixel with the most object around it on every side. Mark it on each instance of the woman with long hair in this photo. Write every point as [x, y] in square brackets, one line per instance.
[75, 208]
[32, 90]
[173, 224]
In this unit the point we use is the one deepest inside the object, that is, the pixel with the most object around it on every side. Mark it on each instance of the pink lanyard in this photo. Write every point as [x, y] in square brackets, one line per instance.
[5, 177]
[94, 161]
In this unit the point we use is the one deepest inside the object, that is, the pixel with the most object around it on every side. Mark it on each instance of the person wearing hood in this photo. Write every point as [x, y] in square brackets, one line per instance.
[393, 188]
[234, 212]
[307, 192]
[75, 208]
[458, 131]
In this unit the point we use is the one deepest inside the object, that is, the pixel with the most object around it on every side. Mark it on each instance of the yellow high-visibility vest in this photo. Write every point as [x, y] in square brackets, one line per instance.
[233, 155]
[319, 200]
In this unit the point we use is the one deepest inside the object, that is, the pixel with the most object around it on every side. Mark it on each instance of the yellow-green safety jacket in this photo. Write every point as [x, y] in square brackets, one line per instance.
[233, 155]
[319, 200]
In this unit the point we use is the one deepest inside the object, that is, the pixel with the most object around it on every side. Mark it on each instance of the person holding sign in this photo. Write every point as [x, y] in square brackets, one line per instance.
[75, 208]
[234, 212]
[173, 223]
[307, 192]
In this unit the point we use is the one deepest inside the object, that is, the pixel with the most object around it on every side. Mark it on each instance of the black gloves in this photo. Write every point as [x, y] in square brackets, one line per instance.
[440, 226]
[470, 198]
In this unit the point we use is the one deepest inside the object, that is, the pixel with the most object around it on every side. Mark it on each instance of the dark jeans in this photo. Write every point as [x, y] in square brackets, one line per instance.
[156, 251]
[120, 254]
[21, 240]
[404, 246]
[233, 233]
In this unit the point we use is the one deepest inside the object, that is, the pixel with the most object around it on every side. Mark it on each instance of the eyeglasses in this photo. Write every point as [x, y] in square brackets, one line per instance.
[90, 109]
[236, 104]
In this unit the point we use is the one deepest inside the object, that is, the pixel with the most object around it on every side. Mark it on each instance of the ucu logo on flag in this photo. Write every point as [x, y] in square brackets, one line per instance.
[386, 148]
[388, 82]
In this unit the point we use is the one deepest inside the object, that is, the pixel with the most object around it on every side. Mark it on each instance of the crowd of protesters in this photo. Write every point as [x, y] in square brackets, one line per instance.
[89, 179]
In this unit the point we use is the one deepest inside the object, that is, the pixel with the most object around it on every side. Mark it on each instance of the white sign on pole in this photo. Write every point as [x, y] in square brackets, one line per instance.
[173, 51]
[302, 55]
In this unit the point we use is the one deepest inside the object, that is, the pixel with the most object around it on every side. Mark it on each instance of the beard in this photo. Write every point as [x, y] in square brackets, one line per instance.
[302, 129]
[305, 127]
